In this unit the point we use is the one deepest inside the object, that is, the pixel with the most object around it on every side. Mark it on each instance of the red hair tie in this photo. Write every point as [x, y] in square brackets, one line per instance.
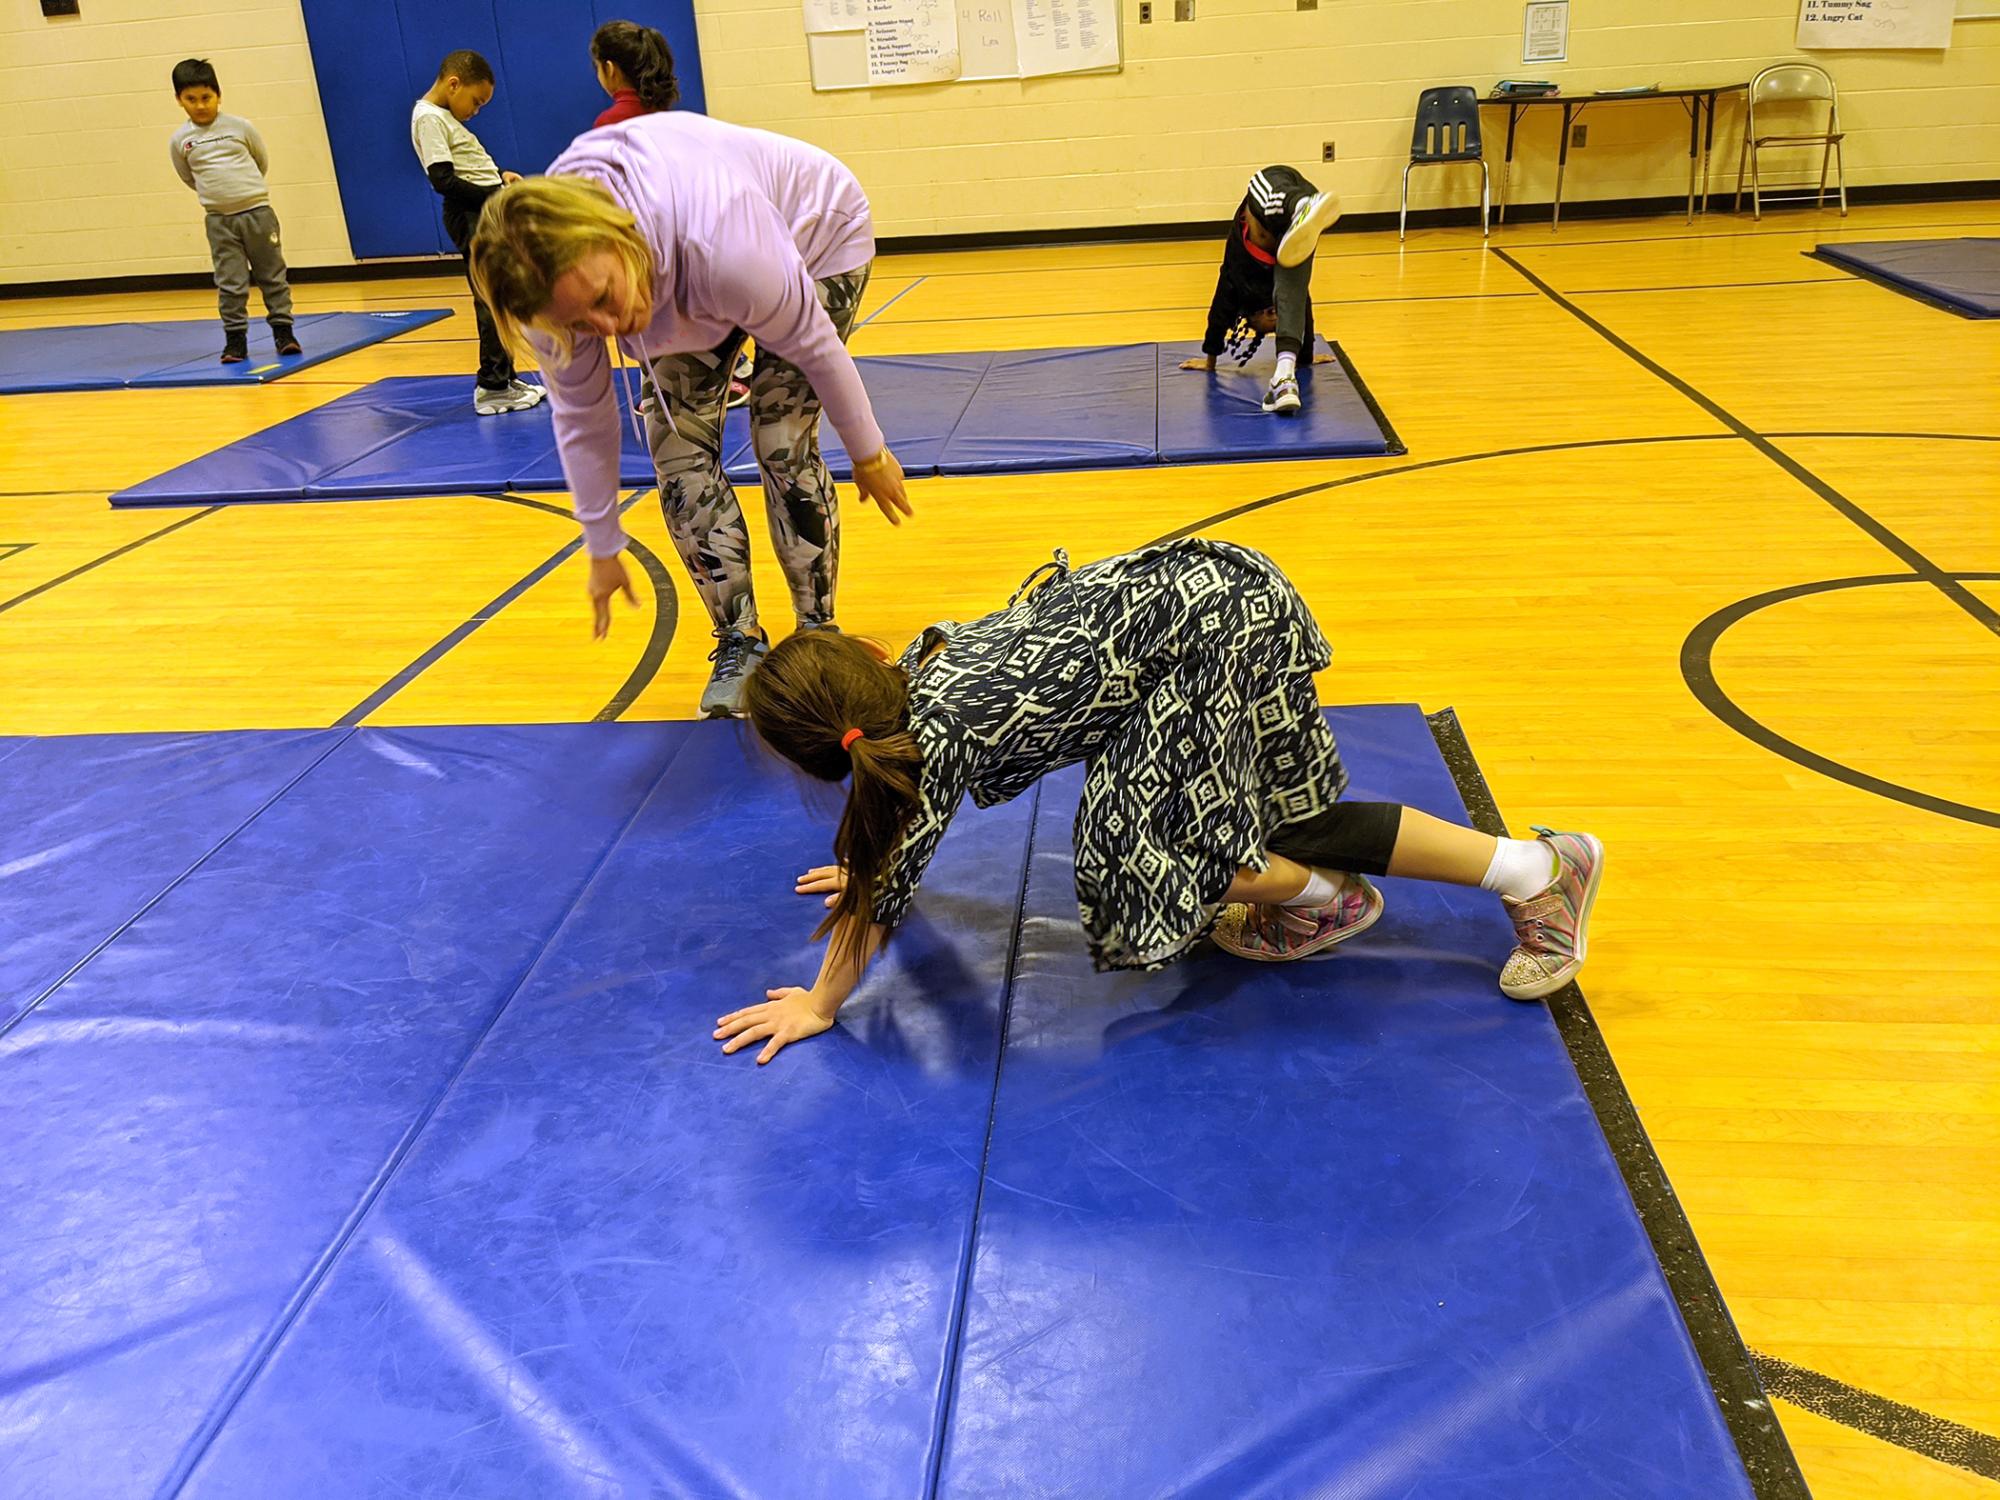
[847, 740]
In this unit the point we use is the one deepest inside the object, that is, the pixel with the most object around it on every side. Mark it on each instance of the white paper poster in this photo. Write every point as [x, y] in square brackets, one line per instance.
[1545, 33]
[1875, 23]
[912, 41]
[986, 40]
[835, 15]
[1065, 36]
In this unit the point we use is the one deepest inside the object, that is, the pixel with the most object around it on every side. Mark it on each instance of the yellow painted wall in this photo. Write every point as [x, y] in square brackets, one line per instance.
[85, 110]
[1202, 104]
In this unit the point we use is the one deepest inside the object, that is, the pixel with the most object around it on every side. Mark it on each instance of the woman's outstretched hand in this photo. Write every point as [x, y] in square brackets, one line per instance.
[788, 1015]
[607, 577]
[881, 479]
[830, 878]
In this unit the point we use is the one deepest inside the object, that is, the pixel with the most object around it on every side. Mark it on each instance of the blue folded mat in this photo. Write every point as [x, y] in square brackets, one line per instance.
[1012, 412]
[110, 356]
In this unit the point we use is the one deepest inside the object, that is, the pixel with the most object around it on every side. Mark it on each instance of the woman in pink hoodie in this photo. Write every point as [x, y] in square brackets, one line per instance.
[674, 235]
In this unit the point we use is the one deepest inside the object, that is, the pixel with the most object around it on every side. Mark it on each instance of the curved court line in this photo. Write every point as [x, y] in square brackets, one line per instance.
[437, 652]
[1698, 672]
[666, 612]
[1932, 574]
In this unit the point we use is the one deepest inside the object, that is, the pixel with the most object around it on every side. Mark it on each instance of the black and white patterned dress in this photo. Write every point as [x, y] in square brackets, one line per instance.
[1182, 674]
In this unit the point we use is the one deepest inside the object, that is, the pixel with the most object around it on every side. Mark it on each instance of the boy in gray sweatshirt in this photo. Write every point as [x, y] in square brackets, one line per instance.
[222, 158]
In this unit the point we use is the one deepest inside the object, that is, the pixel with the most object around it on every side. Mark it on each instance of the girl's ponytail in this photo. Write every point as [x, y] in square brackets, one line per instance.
[831, 706]
[643, 56]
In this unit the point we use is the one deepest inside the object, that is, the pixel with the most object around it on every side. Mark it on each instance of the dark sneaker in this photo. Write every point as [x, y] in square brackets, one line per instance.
[735, 656]
[235, 345]
[286, 340]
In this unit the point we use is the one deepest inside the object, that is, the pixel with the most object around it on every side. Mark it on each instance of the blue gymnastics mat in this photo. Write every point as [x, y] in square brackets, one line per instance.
[365, 1129]
[1019, 411]
[113, 356]
[1961, 275]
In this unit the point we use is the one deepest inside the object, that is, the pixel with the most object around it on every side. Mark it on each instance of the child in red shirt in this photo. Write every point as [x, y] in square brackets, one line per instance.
[636, 68]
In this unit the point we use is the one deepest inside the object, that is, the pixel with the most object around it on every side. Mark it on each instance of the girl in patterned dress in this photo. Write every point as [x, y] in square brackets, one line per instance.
[1182, 676]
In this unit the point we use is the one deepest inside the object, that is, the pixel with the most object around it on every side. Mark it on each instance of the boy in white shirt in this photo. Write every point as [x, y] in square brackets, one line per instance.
[465, 177]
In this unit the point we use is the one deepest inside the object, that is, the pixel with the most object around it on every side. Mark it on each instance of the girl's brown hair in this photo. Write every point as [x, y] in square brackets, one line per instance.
[532, 231]
[643, 56]
[802, 700]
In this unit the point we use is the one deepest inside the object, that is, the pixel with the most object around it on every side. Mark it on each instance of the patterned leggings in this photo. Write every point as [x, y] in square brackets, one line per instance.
[684, 431]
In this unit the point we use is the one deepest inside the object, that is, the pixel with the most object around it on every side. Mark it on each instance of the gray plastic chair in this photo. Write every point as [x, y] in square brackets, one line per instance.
[1783, 84]
[1447, 132]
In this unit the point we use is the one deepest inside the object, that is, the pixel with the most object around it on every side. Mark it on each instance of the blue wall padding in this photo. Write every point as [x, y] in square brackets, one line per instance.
[1060, 409]
[1213, 417]
[704, 1278]
[973, 413]
[193, 1117]
[1961, 275]
[91, 829]
[108, 356]
[1335, 1227]
[374, 58]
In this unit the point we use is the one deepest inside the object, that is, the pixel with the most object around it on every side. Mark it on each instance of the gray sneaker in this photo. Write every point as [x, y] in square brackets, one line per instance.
[735, 657]
[514, 397]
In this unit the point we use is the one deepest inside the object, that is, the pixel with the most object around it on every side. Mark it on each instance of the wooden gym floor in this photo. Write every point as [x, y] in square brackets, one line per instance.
[1615, 433]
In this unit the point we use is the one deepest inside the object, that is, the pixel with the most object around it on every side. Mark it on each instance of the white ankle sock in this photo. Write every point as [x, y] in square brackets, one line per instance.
[1288, 366]
[1321, 887]
[1521, 868]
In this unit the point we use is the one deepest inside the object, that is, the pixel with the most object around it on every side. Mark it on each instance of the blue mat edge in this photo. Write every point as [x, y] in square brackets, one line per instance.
[1830, 255]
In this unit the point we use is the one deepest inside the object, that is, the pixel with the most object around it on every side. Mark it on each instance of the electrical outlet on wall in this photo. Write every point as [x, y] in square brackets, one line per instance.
[1183, 10]
[1146, 12]
[1326, 151]
[1577, 134]
[1308, 4]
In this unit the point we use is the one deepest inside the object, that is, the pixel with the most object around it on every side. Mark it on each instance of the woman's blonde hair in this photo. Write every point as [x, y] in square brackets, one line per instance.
[530, 233]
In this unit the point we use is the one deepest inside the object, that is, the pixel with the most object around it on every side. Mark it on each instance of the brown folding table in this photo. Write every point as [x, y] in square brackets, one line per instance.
[1699, 103]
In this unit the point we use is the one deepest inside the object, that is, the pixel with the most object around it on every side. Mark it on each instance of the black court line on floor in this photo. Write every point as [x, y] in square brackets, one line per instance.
[1698, 672]
[665, 616]
[1760, 1441]
[112, 555]
[13, 549]
[1934, 1437]
[1936, 576]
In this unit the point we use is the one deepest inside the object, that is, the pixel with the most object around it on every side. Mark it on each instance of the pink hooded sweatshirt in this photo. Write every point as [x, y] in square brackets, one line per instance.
[741, 223]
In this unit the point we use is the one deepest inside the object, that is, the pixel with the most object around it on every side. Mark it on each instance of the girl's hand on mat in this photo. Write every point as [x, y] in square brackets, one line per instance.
[507, 177]
[881, 480]
[1322, 358]
[831, 878]
[608, 577]
[1199, 362]
[789, 1015]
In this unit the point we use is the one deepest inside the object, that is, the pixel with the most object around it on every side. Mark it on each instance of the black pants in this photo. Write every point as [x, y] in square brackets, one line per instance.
[496, 365]
[1272, 199]
[1353, 836]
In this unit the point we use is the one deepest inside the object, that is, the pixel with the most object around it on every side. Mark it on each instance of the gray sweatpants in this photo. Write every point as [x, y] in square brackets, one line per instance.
[246, 245]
